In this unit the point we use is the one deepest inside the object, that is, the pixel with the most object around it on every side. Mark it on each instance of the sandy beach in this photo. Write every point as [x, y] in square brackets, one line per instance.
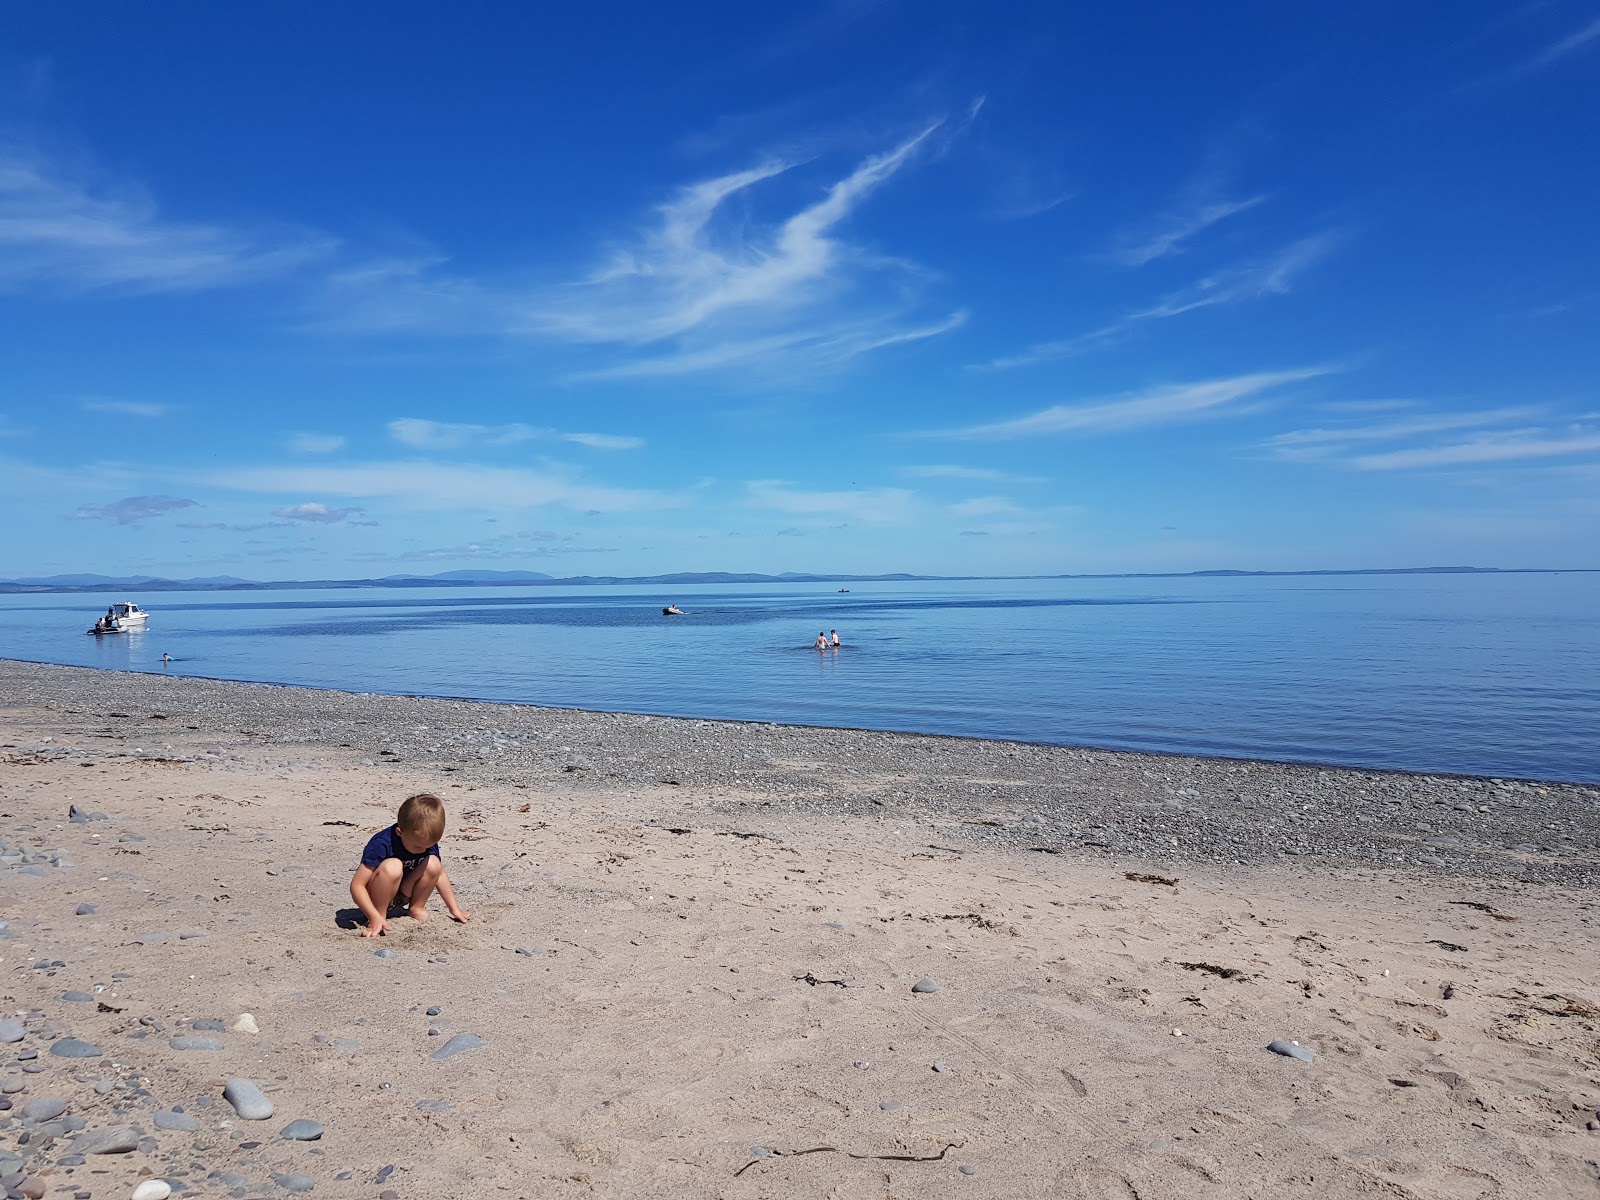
[691, 962]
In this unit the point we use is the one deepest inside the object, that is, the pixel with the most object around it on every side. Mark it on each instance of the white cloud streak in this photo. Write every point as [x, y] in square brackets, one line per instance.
[316, 443]
[132, 509]
[1156, 406]
[125, 408]
[316, 513]
[422, 434]
[969, 474]
[871, 506]
[706, 288]
[1273, 276]
[438, 486]
[58, 232]
[1331, 442]
[1198, 211]
[1507, 447]
[1580, 39]
[603, 441]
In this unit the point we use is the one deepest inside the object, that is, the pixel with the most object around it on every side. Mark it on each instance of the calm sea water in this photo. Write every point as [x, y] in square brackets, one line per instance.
[1494, 675]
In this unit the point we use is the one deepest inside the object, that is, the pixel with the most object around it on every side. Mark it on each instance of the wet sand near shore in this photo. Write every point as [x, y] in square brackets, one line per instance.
[694, 946]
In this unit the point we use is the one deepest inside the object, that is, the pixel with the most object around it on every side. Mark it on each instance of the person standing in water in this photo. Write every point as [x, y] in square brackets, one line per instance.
[834, 635]
[822, 641]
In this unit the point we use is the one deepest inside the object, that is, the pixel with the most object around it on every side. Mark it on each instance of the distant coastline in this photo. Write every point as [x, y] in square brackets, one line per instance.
[225, 583]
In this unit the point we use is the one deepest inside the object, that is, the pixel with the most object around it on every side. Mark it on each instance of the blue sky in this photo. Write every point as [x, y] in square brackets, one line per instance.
[310, 290]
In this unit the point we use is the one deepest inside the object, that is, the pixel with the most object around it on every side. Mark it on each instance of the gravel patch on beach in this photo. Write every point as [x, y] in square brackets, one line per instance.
[998, 795]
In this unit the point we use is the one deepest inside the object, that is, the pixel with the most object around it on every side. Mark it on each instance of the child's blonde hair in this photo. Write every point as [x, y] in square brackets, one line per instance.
[423, 815]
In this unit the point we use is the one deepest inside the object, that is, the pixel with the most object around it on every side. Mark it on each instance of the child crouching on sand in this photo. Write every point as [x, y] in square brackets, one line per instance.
[401, 867]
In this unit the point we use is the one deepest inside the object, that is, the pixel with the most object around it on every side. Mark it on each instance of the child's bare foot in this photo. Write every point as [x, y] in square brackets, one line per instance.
[418, 913]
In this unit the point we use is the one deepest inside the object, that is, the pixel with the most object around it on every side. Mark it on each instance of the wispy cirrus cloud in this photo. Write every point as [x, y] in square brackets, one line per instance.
[316, 443]
[987, 506]
[1337, 442]
[1272, 276]
[131, 509]
[125, 408]
[1509, 446]
[438, 486]
[1422, 440]
[1581, 39]
[1164, 405]
[969, 474]
[61, 232]
[703, 288]
[603, 441]
[422, 434]
[316, 513]
[1201, 206]
[872, 506]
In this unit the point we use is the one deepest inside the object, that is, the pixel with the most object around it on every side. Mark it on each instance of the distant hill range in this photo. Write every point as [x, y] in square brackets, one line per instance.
[224, 583]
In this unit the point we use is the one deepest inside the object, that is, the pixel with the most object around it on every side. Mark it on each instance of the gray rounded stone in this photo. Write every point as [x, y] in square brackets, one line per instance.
[925, 986]
[74, 1048]
[195, 1043]
[77, 997]
[84, 910]
[458, 1044]
[182, 1122]
[1290, 1050]
[208, 1025]
[295, 1183]
[45, 1108]
[301, 1130]
[249, 1101]
[11, 1031]
[107, 1141]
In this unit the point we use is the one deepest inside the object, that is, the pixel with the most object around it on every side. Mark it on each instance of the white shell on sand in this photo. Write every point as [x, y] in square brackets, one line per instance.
[152, 1189]
[245, 1023]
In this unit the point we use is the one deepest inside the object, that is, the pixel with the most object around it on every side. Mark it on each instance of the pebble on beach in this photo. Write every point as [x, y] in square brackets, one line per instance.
[195, 1043]
[11, 1031]
[925, 986]
[458, 1044]
[301, 1130]
[107, 1141]
[247, 1099]
[176, 1120]
[152, 1189]
[245, 1023]
[45, 1108]
[1292, 1050]
[72, 1047]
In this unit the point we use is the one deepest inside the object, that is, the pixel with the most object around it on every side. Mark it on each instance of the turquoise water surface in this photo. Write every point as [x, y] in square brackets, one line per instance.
[1482, 674]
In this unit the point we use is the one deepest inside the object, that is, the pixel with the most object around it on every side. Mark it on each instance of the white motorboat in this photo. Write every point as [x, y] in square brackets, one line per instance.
[122, 617]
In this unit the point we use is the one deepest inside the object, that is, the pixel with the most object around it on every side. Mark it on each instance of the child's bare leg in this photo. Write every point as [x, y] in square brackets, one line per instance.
[383, 885]
[420, 884]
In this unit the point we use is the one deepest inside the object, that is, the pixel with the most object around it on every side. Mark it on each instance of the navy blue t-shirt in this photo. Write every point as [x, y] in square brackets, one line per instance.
[386, 843]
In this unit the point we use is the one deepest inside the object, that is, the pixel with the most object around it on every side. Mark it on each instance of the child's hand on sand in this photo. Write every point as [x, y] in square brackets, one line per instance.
[374, 927]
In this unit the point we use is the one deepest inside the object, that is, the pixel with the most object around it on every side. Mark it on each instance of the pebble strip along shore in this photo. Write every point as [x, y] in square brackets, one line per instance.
[1053, 799]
